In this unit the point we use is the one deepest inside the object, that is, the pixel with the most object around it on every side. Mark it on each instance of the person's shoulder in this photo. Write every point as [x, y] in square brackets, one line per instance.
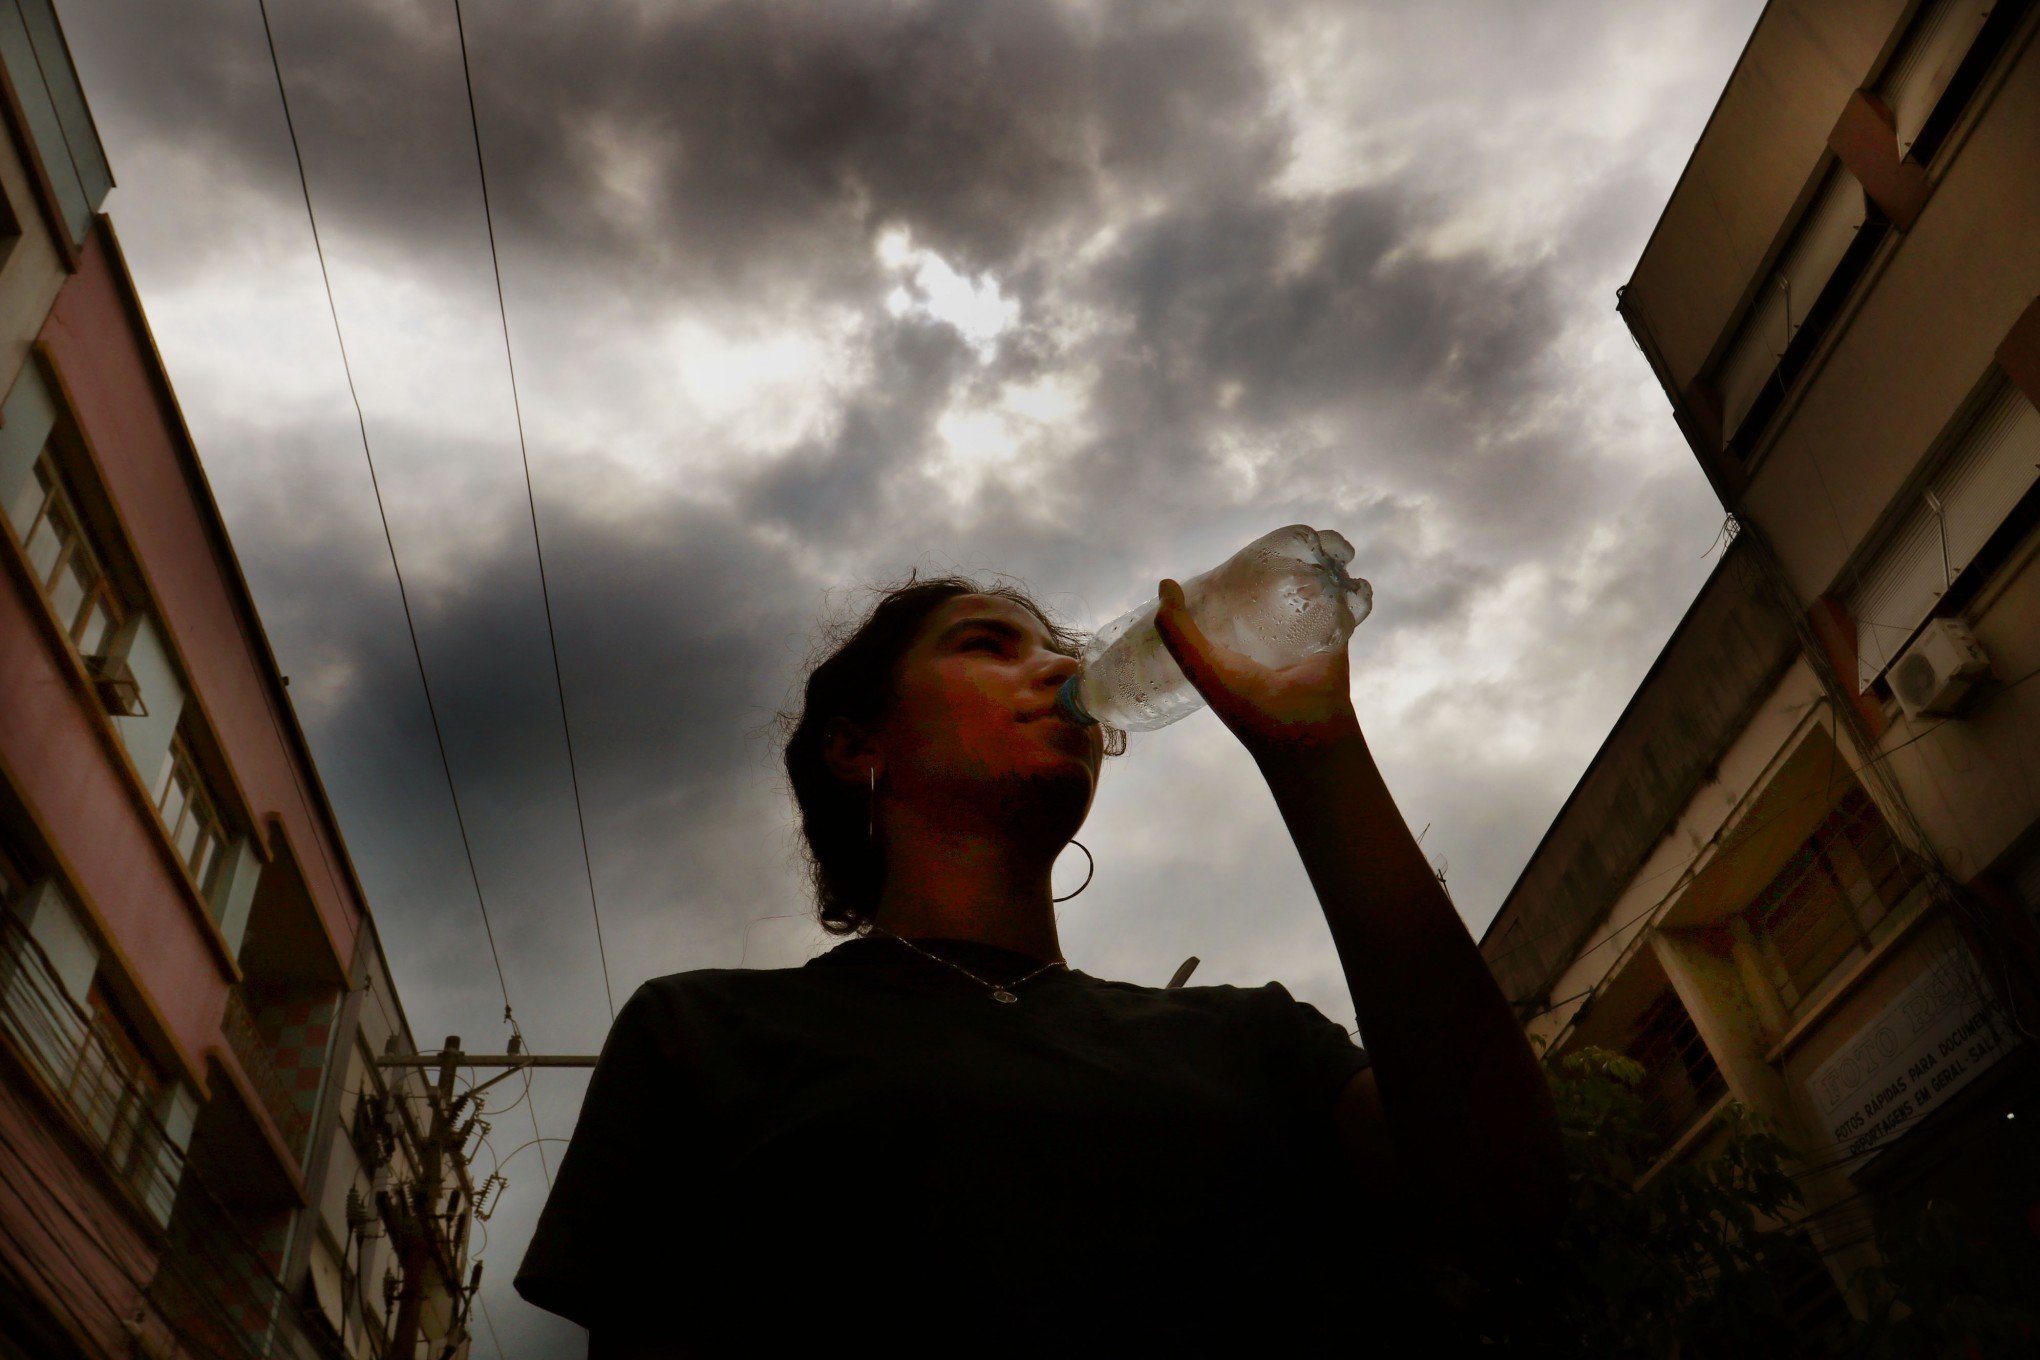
[674, 1012]
[709, 986]
[1211, 996]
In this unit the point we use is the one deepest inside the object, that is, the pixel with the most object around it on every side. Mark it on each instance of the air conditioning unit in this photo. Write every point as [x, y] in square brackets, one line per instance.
[1935, 676]
[118, 689]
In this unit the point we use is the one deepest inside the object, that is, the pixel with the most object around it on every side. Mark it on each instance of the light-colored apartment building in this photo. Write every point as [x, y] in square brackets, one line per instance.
[1803, 872]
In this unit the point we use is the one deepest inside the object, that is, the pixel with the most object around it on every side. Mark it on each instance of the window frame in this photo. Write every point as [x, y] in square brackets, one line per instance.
[1854, 821]
[69, 461]
[199, 803]
[1956, 97]
[1746, 441]
[75, 540]
[1658, 1040]
[140, 1085]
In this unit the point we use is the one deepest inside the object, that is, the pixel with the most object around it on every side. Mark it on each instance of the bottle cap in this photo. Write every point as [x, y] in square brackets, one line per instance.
[1070, 706]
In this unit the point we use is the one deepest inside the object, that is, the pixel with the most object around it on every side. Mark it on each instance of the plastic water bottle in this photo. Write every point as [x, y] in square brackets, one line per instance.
[1283, 597]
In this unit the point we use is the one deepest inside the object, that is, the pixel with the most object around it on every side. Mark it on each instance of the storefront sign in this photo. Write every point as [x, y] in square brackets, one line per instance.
[1926, 1045]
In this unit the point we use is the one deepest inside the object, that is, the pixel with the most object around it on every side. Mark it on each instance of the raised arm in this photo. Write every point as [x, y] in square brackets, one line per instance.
[1469, 1120]
[1468, 1111]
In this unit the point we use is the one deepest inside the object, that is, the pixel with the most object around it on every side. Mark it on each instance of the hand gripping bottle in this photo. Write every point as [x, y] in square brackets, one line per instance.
[1280, 599]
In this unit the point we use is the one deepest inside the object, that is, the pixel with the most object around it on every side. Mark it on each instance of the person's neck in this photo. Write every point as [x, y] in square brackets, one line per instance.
[969, 886]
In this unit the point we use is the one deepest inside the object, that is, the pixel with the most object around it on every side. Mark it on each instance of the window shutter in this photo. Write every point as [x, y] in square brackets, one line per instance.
[1780, 306]
[1991, 466]
[1942, 34]
[1896, 595]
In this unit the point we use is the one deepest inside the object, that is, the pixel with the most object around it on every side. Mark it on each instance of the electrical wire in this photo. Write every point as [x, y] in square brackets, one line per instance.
[91, 1233]
[361, 421]
[531, 1108]
[482, 1302]
[1785, 598]
[529, 1142]
[389, 540]
[83, 1282]
[531, 504]
[744, 952]
[1783, 810]
[1951, 893]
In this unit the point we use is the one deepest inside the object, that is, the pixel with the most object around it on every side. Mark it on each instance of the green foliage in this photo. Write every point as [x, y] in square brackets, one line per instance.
[1942, 1293]
[1682, 1268]
[1638, 1272]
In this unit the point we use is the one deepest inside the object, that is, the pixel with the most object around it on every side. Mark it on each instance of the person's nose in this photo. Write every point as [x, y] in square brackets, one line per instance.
[1058, 669]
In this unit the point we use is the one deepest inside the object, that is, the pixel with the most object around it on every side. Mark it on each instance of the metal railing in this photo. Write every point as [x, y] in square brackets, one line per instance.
[1826, 904]
[1680, 1079]
[210, 1286]
[108, 1102]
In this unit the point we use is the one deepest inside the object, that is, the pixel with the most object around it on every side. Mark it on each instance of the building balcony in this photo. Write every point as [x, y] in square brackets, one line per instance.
[213, 1287]
[98, 1087]
[218, 1288]
[245, 1037]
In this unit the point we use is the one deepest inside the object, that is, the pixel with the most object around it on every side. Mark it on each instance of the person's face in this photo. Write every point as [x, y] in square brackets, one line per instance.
[974, 719]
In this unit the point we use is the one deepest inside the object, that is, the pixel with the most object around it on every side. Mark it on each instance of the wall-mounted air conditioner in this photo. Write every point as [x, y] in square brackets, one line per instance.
[118, 689]
[1939, 671]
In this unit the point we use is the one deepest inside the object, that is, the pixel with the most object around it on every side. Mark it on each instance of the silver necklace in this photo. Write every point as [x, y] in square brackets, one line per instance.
[998, 992]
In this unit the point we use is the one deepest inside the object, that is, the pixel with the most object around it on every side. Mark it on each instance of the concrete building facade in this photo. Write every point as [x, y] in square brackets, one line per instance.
[1803, 872]
[194, 1159]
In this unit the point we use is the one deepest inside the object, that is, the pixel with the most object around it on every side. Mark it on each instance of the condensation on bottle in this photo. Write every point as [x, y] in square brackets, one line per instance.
[1283, 597]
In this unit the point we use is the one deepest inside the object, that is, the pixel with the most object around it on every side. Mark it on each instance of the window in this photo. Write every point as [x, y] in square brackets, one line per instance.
[1824, 904]
[1980, 477]
[1680, 1079]
[1784, 302]
[13, 880]
[71, 573]
[117, 1089]
[191, 817]
[1794, 306]
[53, 107]
[89, 1054]
[1942, 60]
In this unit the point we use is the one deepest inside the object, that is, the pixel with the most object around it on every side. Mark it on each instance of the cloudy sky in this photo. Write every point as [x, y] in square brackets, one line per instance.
[807, 294]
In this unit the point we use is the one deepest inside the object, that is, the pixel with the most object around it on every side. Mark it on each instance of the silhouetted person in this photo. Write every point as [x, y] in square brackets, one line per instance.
[937, 1138]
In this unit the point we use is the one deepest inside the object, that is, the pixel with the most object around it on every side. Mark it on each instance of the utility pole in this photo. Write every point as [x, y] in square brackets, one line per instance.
[417, 1216]
[418, 1213]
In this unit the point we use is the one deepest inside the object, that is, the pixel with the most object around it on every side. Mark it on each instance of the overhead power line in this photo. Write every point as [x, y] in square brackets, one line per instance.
[1780, 813]
[531, 503]
[403, 594]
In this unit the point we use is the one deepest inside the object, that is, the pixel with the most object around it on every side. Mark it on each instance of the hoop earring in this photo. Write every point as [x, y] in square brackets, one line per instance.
[1087, 873]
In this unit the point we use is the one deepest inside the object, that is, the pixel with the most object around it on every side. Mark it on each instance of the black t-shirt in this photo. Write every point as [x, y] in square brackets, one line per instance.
[870, 1149]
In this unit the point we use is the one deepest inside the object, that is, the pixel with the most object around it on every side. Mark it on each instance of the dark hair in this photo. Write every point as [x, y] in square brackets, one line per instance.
[854, 680]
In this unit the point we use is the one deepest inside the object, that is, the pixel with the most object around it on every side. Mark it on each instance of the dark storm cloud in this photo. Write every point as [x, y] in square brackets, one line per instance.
[678, 630]
[1317, 307]
[745, 156]
[1373, 351]
[724, 148]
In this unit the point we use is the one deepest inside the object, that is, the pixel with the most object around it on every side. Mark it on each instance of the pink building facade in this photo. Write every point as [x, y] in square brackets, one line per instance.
[186, 955]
